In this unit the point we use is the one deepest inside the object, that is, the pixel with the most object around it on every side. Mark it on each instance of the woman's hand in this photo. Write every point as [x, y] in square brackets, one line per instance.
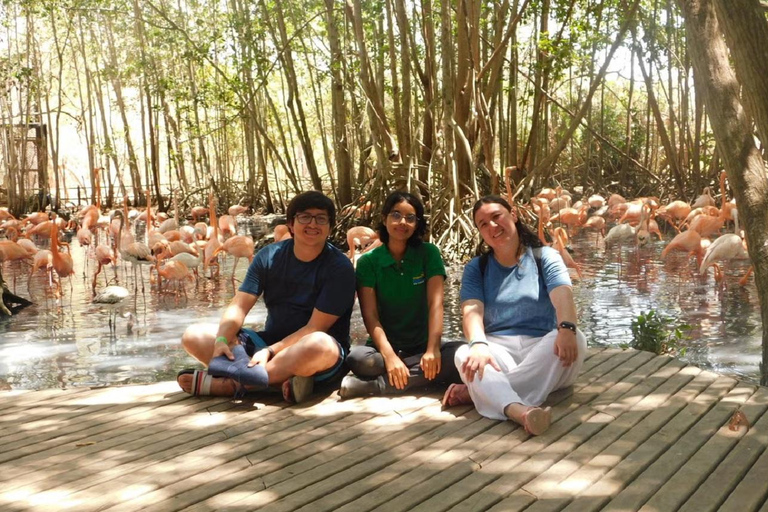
[430, 363]
[479, 356]
[397, 372]
[565, 347]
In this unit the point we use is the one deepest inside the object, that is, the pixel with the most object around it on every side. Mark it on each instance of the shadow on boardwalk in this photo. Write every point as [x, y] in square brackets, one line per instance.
[636, 432]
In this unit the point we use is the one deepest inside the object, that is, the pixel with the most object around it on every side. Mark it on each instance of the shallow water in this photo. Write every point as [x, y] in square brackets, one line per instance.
[62, 343]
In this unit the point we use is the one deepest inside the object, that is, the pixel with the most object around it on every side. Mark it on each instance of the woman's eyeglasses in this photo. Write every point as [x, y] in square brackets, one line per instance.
[397, 217]
[305, 218]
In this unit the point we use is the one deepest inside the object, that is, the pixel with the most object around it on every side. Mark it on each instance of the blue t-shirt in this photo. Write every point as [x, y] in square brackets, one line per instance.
[292, 289]
[516, 301]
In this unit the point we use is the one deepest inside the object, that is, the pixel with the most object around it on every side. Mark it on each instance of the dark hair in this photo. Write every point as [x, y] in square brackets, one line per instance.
[390, 202]
[527, 237]
[311, 199]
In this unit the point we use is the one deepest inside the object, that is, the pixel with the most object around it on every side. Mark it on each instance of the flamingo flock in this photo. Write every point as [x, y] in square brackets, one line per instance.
[699, 226]
[173, 249]
[175, 246]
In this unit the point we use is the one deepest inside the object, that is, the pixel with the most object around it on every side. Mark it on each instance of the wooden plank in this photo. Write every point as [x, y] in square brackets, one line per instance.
[549, 448]
[627, 412]
[568, 415]
[185, 433]
[752, 490]
[442, 482]
[293, 494]
[652, 489]
[87, 416]
[400, 475]
[647, 441]
[228, 455]
[731, 471]
[13, 404]
[296, 471]
[698, 466]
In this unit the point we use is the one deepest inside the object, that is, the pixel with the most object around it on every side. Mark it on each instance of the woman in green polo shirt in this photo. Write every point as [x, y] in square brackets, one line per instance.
[400, 288]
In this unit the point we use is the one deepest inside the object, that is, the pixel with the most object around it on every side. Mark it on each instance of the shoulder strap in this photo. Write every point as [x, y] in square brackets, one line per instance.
[536, 256]
[483, 263]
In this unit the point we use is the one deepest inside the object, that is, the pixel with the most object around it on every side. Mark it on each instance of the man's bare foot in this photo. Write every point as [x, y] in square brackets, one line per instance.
[218, 386]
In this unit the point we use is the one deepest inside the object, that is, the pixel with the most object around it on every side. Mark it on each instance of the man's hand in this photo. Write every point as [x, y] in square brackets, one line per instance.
[260, 357]
[430, 363]
[220, 348]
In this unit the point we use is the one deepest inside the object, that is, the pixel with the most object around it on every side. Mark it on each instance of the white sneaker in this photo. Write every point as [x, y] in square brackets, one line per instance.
[352, 387]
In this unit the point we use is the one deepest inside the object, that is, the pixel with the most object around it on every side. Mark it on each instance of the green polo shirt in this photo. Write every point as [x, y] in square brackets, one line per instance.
[401, 291]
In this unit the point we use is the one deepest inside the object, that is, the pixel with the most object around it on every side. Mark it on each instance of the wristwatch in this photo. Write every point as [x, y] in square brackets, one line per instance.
[567, 325]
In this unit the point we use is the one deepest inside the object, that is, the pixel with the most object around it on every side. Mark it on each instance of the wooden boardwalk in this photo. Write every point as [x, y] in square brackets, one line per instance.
[636, 432]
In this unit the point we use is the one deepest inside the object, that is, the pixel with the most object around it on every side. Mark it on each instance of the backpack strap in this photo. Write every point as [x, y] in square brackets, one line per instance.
[536, 256]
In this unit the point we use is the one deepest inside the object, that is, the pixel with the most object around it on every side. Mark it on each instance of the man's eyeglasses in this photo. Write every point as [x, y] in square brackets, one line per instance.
[397, 217]
[305, 218]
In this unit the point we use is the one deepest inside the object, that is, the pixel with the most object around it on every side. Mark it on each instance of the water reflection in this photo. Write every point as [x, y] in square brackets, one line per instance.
[67, 343]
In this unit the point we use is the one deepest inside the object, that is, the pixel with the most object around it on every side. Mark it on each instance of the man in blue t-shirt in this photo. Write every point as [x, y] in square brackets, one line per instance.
[308, 287]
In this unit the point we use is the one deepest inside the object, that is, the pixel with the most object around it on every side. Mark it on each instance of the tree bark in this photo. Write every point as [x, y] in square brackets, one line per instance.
[746, 33]
[745, 167]
[339, 109]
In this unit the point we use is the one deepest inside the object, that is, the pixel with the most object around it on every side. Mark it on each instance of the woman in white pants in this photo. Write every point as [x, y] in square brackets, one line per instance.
[519, 315]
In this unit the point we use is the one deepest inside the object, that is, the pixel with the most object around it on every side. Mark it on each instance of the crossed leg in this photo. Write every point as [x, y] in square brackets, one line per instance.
[312, 354]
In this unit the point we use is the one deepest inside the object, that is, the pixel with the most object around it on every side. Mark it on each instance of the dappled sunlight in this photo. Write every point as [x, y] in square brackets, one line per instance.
[208, 420]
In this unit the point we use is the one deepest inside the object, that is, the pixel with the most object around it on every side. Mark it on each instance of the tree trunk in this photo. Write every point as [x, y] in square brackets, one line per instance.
[745, 167]
[339, 109]
[295, 106]
[550, 160]
[669, 147]
[117, 85]
[379, 117]
[746, 33]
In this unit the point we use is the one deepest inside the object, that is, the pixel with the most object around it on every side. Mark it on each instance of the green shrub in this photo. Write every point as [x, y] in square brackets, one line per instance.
[658, 333]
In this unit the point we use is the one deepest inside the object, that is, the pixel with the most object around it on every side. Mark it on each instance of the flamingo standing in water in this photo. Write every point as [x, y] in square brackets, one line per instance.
[727, 247]
[281, 232]
[62, 262]
[689, 241]
[705, 199]
[596, 223]
[360, 236]
[675, 213]
[174, 272]
[113, 296]
[11, 251]
[239, 246]
[209, 251]
[560, 243]
[136, 253]
[237, 209]
[228, 226]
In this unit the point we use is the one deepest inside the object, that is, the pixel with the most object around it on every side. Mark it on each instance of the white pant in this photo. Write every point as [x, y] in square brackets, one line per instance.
[530, 371]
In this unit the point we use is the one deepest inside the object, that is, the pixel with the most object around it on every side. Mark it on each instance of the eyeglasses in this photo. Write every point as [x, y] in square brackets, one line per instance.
[305, 218]
[397, 217]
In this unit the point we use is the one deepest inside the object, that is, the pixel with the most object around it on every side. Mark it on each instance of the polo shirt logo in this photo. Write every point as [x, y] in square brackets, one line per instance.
[419, 279]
